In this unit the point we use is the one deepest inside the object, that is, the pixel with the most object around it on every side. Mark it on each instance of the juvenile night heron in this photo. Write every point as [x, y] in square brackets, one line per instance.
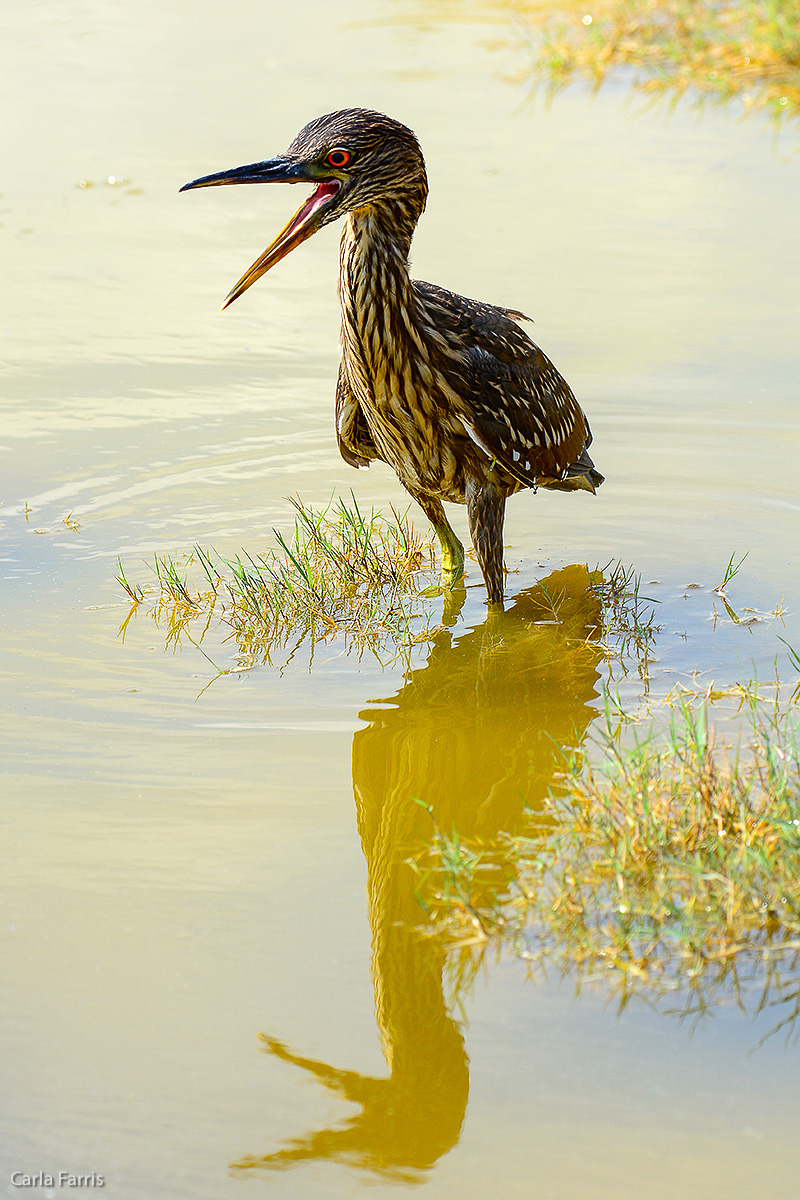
[450, 392]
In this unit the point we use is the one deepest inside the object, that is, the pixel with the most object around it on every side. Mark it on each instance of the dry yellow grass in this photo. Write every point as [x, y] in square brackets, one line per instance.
[672, 868]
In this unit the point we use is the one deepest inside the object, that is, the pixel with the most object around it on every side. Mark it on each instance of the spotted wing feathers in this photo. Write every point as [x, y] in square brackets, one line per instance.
[519, 410]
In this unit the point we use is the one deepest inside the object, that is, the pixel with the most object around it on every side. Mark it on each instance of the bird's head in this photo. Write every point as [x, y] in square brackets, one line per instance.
[356, 159]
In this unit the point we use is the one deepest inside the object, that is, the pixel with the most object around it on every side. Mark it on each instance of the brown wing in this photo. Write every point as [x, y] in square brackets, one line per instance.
[526, 416]
[355, 440]
[520, 410]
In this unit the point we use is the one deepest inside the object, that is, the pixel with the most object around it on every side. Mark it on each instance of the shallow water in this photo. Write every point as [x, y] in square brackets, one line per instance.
[190, 866]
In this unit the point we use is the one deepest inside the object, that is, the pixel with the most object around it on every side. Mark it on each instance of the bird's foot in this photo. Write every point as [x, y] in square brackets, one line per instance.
[451, 576]
[451, 572]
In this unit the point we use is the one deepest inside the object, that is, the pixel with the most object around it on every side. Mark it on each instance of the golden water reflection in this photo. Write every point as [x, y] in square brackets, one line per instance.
[478, 733]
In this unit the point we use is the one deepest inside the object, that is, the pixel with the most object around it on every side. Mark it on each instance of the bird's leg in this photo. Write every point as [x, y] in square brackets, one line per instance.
[452, 569]
[486, 506]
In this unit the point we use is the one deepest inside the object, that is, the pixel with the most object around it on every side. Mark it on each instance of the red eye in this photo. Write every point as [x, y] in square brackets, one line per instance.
[338, 158]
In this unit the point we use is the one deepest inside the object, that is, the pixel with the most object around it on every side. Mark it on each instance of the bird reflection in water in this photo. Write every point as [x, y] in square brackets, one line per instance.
[479, 734]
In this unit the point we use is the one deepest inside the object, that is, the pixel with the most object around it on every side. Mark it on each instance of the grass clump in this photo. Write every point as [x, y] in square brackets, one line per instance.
[720, 48]
[672, 868]
[340, 573]
[629, 627]
[361, 578]
[349, 574]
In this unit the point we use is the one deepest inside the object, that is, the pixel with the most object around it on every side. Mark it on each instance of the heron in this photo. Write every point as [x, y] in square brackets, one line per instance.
[450, 392]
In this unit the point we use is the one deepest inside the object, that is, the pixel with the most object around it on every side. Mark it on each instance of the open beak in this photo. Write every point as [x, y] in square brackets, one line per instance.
[305, 221]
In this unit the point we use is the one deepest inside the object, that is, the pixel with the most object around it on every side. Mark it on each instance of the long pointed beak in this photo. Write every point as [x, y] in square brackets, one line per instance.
[305, 222]
[273, 170]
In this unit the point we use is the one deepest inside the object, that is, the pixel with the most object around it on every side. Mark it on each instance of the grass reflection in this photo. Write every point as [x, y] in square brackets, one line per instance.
[482, 726]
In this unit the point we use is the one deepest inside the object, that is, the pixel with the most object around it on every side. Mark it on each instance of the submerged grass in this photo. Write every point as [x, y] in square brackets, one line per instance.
[719, 48]
[671, 868]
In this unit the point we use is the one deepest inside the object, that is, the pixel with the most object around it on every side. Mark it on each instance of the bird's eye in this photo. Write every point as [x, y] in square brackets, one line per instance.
[338, 158]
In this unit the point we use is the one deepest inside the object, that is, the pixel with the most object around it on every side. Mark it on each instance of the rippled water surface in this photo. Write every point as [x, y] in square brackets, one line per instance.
[190, 867]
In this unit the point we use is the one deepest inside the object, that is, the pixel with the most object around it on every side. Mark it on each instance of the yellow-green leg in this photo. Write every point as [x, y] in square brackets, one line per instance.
[452, 568]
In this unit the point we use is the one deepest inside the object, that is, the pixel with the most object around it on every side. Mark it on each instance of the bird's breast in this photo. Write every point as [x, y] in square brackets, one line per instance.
[398, 370]
[411, 415]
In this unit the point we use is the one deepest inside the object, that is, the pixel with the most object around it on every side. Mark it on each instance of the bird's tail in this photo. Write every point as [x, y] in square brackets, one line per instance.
[580, 476]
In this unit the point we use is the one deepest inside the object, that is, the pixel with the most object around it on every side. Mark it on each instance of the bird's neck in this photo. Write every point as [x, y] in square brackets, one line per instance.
[374, 251]
[377, 298]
